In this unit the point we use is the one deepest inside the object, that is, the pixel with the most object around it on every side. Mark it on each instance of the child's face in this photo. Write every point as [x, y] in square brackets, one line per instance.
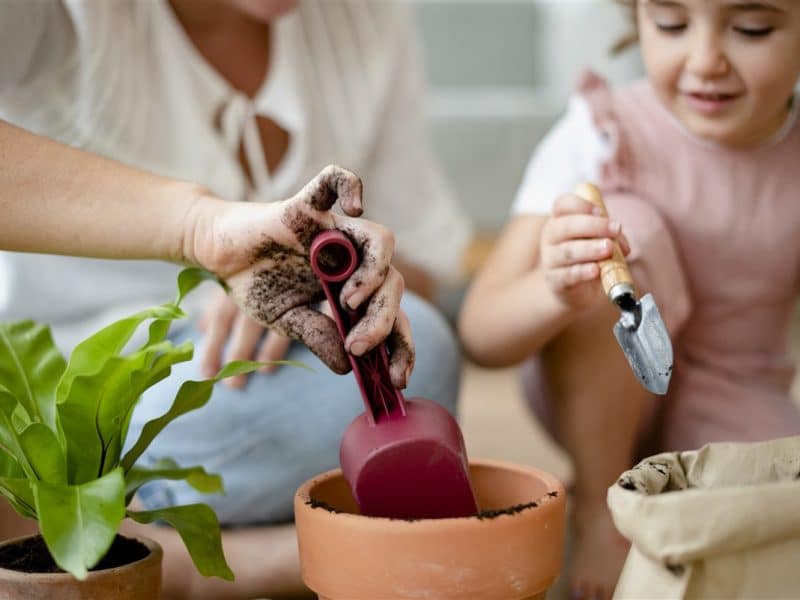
[725, 68]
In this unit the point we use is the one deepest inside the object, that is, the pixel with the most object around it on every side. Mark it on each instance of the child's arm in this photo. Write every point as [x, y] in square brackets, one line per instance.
[542, 273]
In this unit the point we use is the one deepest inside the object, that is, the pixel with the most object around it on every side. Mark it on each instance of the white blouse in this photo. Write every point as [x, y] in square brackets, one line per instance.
[123, 79]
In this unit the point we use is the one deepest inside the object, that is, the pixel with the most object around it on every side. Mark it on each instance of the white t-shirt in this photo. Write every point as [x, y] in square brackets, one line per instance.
[573, 152]
[122, 78]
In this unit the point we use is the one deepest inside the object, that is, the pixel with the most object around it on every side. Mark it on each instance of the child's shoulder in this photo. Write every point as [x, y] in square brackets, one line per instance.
[571, 152]
[628, 115]
[587, 143]
[601, 96]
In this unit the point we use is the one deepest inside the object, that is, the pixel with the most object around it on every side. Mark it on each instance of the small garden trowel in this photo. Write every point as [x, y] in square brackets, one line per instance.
[403, 459]
[640, 330]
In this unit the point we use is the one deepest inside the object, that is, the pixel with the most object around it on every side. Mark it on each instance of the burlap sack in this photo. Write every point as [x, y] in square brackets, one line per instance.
[719, 522]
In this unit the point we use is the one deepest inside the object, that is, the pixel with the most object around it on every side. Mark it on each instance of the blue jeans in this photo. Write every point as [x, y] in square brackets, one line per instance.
[283, 428]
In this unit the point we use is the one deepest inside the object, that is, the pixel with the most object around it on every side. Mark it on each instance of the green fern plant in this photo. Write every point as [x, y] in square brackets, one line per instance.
[63, 427]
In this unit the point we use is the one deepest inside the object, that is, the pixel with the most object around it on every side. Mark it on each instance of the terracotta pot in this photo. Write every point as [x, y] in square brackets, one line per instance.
[140, 580]
[514, 555]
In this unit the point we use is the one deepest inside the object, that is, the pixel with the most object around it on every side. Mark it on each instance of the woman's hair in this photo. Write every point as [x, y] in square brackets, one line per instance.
[631, 38]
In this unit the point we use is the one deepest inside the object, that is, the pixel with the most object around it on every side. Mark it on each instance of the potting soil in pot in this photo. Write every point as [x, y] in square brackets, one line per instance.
[30, 555]
[511, 549]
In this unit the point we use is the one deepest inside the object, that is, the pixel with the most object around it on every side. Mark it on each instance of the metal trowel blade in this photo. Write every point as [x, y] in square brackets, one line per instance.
[646, 345]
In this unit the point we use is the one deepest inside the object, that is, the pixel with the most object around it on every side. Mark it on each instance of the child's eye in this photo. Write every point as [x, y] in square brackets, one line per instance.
[754, 31]
[671, 27]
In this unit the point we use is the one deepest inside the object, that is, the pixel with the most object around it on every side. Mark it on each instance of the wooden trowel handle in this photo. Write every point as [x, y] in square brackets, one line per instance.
[613, 271]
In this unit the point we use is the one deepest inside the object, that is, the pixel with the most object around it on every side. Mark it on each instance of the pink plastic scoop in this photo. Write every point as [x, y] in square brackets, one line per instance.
[403, 459]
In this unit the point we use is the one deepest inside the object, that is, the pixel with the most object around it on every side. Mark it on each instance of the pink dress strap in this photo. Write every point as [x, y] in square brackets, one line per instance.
[713, 234]
[617, 171]
[654, 258]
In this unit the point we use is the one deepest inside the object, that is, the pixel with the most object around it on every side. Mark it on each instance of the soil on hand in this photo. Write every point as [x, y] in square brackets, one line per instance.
[31, 555]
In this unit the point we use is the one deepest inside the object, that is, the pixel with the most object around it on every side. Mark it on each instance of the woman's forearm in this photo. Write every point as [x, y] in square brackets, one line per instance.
[57, 199]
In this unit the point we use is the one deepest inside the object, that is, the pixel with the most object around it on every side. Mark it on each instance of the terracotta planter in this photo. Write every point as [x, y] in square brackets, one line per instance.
[512, 552]
[140, 580]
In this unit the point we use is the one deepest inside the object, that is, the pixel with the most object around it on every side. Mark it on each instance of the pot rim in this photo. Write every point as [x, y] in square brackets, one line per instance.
[155, 553]
[553, 484]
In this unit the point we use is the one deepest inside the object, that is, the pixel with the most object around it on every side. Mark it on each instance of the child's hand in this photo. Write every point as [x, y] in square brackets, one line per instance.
[573, 240]
[261, 251]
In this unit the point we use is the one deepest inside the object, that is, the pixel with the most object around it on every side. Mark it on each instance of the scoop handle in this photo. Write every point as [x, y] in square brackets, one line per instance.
[614, 273]
[333, 259]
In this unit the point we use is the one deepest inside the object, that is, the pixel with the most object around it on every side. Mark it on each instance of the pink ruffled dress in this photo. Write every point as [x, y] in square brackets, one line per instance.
[715, 236]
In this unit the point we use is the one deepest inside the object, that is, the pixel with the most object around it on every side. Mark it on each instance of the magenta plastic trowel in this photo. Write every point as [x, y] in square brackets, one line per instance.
[403, 459]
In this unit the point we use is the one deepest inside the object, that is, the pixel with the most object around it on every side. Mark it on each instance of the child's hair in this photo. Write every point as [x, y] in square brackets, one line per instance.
[631, 38]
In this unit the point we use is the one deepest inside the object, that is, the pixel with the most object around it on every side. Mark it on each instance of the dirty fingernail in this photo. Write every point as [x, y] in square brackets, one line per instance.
[346, 298]
[358, 348]
[352, 300]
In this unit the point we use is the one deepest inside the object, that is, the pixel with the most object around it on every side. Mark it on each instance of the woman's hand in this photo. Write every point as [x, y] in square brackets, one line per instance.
[573, 240]
[261, 251]
[231, 332]
[57, 199]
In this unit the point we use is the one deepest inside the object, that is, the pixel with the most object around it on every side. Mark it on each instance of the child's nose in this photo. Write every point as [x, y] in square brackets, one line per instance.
[707, 57]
